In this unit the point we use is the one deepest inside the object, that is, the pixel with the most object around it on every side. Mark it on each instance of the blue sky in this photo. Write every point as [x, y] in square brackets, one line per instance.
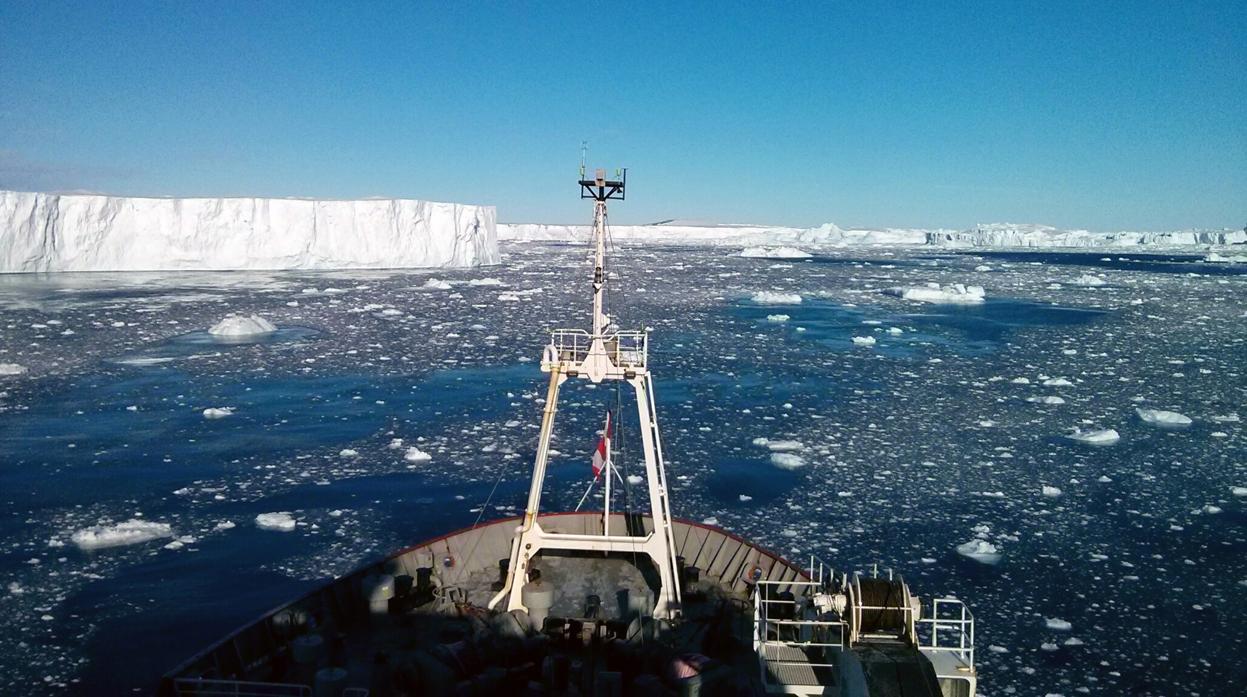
[1105, 115]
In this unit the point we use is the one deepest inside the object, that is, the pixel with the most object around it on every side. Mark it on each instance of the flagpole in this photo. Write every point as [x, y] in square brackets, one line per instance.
[606, 514]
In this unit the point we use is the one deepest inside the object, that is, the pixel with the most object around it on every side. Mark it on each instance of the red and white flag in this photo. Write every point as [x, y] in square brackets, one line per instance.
[602, 452]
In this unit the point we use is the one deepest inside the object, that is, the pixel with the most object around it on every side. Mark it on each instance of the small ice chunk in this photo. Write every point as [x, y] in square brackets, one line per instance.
[864, 340]
[485, 282]
[348, 452]
[1046, 399]
[218, 412]
[1238, 490]
[787, 461]
[1057, 382]
[1160, 417]
[744, 498]
[435, 284]
[980, 551]
[777, 318]
[225, 525]
[1107, 436]
[280, 520]
[766, 297]
[238, 325]
[1089, 281]
[129, 532]
[635, 479]
[1057, 624]
[1051, 492]
[12, 369]
[415, 454]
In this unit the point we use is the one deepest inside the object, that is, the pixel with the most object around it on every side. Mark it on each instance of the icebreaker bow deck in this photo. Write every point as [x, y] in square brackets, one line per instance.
[605, 603]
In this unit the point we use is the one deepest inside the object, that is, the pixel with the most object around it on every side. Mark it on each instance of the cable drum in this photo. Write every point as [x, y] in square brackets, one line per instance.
[880, 606]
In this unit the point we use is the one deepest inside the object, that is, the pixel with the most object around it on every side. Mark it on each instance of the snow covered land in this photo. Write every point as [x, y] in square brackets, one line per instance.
[80, 232]
[1023, 452]
[830, 234]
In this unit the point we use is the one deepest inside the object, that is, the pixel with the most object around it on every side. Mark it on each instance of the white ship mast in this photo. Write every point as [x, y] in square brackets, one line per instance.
[605, 353]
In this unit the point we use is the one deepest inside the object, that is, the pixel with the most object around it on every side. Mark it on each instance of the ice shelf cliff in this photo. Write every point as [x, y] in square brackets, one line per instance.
[993, 235]
[77, 232]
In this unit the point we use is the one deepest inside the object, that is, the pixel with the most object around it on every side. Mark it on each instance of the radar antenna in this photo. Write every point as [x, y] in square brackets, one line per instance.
[604, 353]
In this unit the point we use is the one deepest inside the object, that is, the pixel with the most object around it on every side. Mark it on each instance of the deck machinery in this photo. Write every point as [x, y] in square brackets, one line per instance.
[604, 603]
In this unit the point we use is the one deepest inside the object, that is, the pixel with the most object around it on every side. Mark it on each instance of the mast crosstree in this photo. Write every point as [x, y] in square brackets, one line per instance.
[604, 353]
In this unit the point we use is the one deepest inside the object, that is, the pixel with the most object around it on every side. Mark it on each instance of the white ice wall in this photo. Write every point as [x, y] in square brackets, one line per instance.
[72, 232]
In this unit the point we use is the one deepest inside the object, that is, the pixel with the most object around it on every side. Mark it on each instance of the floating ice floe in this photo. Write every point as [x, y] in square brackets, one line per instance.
[238, 326]
[1057, 624]
[864, 340]
[787, 461]
[435, 284]
[280, 520]
[1238, 490]
[218, 412]
[1160, 417]
[1089, 281]
[774, 253]
[635, 479]
[486, 282]
[1057, 382]
[767, 297]
[415, 454]
[348, 452]
[980, 551]
[1046, 400]
[12, 369]
[1107, 436]
[130, 532]
[777, 318]
[779, 445]
[952, 294]
[1051, 492]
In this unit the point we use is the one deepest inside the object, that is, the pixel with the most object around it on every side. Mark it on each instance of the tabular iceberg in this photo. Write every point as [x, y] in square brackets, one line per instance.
[73, 232]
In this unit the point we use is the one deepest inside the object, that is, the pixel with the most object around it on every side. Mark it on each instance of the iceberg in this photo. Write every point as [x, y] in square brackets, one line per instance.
[1160, 417]
[774, 253]
[1107, 436]
[86, 232]
[980, 551]
[239, 326]
[280, 521]
[766, 297]
[130, 532]
[953, 294]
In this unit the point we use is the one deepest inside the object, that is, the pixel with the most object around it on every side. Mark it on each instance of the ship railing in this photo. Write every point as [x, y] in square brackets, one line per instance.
[206, 687]
[950, 628]
[793, 650]
[626, 349]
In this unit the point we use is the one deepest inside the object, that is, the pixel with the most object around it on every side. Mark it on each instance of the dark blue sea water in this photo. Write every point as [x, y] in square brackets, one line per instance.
[905, 448]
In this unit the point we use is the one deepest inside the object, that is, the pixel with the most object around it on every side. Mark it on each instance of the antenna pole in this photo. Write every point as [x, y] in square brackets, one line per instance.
[600, 320]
